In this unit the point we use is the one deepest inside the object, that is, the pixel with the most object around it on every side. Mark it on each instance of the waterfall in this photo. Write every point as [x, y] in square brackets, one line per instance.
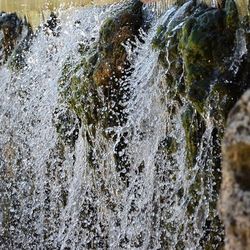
[69, 181]
[28, 137]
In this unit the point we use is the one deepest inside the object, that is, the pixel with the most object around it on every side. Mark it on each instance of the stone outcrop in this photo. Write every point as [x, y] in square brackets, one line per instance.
[235, 191]
[204, 53]
[203, 49]
[11, 26]
[105, 64]
[197, 49]
[112, 61]
[16, 36]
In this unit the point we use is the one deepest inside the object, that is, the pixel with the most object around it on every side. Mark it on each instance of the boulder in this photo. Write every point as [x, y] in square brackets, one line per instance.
[11, 27]
[16, 37]
[116, 31]
[234, 202]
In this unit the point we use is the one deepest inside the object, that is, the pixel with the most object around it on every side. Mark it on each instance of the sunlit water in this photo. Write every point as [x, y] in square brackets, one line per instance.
[38, 10]
[52, 198]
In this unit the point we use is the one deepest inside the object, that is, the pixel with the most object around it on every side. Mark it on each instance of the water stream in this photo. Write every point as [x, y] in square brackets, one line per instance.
[53, 197]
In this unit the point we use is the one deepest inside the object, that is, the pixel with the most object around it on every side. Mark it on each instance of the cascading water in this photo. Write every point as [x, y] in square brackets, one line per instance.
[70, 184]
[28, 137]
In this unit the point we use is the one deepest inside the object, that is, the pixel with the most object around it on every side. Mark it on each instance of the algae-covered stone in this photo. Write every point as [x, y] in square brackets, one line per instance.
[67, 125]
[95, 90]
[116, 31]
[206, 60]
[202, 46]
[16, 38]
[11, 26]
[93, 86]
[194, 127]
[205, 44]
[232, 15]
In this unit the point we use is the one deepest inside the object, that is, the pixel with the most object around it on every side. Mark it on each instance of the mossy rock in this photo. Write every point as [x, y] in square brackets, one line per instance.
[206, 48]
[67, 125]
[202, 46]
[89, 88]
[232, 15]
[169, 145]
[221, 99]
[207, 42]
[116, 31]
[194, 127]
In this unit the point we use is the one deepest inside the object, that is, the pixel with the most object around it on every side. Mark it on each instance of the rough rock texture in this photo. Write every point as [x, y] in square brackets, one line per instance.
[206, 73]
[16, 37]
[235, 191]
[104, 65]
[204, 52]
[112, 54]
[11, 26]
[199, 57]
[203, 46]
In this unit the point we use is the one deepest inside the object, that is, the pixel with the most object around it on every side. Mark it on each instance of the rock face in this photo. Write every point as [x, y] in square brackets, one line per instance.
[202, 60]
[203, 48]
[105, 64]
[11, 26]
[16, 37]
[197, 48]
[112, 60]
[235, 191]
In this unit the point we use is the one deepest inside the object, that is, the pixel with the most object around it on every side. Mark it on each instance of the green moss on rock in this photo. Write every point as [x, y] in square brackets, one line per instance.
[232, 15]
[207, 76]
[114, 33]
[88, 88]
[205, 44]
[202, 45]
[194, 128]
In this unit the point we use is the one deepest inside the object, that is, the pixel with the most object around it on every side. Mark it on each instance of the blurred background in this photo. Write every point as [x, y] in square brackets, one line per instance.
[34, 10]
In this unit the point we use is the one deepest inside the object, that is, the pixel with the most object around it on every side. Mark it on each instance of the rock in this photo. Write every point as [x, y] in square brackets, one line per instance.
[116, 31]
[234, 202]
[206, 60]
[11, 26]
[16, 39]
[103, 66]
[67, 125]
[194, 128]
[232, 14]
[205, 44]
[198, 47]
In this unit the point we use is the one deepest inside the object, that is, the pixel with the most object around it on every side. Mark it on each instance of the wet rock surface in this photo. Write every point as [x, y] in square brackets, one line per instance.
[11, 26]
[206, 72]
[206, 69]
[105, 67]
[203, 46]
[16, 37]
[160, 170]
[112, 61]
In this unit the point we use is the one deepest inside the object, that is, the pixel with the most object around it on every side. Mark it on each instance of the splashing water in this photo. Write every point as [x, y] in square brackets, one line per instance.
[51, 195]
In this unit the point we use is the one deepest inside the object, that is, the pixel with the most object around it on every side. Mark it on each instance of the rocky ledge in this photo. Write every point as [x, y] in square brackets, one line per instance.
[235, 191]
